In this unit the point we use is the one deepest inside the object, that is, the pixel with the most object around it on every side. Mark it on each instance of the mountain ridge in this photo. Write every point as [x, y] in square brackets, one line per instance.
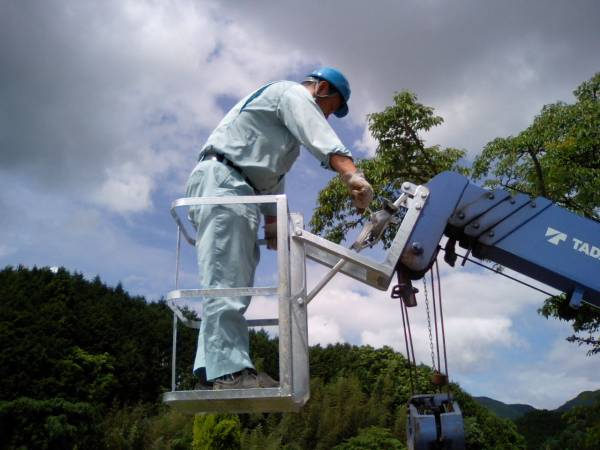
[513, 411]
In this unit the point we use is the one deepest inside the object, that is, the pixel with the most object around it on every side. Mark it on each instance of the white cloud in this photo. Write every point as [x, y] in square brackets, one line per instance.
[263, 308]
[549, 380]
[475, 323]
[472, 341]
[323, 330]
[489, 321]
[125, 190]
[492, 66]
[367, 143]
[127, 88]
[6, 250]
[48, 230]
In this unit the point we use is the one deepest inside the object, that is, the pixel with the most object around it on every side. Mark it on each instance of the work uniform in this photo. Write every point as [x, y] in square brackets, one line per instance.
[257, 143]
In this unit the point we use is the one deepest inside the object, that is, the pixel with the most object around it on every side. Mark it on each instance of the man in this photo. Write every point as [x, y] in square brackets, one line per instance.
[249, 153]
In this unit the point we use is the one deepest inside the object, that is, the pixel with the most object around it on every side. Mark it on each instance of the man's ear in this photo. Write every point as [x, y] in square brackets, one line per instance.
[323, 88]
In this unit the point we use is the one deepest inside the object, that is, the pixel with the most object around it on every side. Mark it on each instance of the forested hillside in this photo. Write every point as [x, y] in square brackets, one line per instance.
[74, 355]
[574, 425]
[585, 398]
[83, 366]
[503, 410]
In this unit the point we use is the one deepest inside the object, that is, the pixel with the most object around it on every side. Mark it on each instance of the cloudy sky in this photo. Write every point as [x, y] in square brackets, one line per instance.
[103, 107]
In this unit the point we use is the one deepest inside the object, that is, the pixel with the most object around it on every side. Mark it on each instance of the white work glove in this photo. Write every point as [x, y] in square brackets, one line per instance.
[360, 190]
[271, 232]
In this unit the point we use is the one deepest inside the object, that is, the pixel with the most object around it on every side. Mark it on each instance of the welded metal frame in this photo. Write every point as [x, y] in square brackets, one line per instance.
[293, 390]
[362, 268]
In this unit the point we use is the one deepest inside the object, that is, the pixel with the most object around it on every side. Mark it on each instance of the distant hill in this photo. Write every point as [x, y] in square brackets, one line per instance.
[586, 398]
[573, 425]
[514, 411]
[503, 410]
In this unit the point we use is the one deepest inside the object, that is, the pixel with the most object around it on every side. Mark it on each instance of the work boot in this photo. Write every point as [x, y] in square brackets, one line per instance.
[265, 381]
[200, 386]
[202, 383]
[245, 379]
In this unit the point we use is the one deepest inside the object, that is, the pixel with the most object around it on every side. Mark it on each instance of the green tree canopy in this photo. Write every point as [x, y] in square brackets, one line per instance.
[71, 352]
[69, 345]
[558, 157]
[401, 155]
[581, 430]
[372, 438]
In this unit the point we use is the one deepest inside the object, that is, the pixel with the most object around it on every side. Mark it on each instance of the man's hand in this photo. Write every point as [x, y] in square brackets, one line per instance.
[271, 232]
[360, 189]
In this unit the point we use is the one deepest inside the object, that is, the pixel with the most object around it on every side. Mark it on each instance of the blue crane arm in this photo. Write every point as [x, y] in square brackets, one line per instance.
[532, 236]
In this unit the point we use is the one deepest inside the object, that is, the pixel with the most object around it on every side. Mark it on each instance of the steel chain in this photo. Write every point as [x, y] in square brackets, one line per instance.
[429, 324]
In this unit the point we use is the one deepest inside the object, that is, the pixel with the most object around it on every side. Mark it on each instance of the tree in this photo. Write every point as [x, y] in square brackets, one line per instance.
[358, 398]
[73, 351]
[401, 155]
[372, 438]
[538, 425]
[216, 432]
[82, 332]
[47, 424]
[558, 157]
[581, 430]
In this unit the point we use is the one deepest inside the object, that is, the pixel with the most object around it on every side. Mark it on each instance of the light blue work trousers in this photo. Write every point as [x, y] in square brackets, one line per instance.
[226, 245]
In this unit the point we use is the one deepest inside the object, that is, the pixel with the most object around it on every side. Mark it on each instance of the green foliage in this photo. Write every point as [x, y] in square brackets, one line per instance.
[581, 432]
[264, 352]
[169, 430]
[64, 336]
[372, 438]
[87, 376]
[78, 367]
[216, 432]
[503, 410]
[585, 321]
[361, 393]
[255, 439]
[585, 398]
[401, 155]
[483, 429]
[70, 350]
[143, 427]
[474, 433]
[47, 424]
[558, 157]
[125, 427]
[537, 426]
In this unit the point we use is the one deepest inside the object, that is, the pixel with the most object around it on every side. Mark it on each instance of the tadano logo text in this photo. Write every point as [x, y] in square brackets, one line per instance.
[556, 237]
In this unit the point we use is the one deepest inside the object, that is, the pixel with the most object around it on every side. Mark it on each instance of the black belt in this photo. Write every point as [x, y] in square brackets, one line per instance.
[222, 159]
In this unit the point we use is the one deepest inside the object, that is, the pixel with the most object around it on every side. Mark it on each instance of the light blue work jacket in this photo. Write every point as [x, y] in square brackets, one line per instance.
[262, 135]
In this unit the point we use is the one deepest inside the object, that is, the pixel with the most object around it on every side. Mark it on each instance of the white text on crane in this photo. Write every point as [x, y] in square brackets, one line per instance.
[556, 237]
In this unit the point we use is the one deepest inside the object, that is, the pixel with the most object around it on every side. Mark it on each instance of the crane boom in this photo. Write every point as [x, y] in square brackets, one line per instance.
[534, 237]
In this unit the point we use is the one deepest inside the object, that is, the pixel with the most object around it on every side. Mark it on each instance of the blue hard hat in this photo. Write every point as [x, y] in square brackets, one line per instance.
[339, 82]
